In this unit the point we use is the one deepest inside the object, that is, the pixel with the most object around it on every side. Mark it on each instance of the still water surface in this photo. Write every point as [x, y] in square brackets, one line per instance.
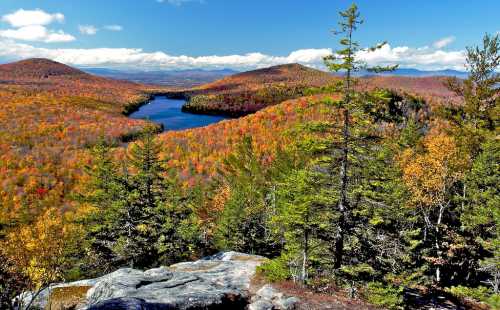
[168, 112]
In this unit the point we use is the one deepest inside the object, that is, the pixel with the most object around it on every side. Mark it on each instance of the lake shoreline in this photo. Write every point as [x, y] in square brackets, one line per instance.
[167, 110]
[148, 97]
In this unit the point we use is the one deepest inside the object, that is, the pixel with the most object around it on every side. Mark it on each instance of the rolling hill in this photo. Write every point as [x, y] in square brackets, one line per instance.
[291, 74]
[248, 92]
[47, 76]
[198, 77]
[37, 69]
[51, 113]
[433, 89]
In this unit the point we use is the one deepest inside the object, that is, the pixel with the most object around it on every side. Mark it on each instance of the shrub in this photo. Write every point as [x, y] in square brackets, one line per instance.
[358, 272]
[275, 270]
[493, 301]
[386, 296]
[479, 293]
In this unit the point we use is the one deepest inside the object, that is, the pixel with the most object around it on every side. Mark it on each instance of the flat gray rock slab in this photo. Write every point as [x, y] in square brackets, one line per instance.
[221, 281]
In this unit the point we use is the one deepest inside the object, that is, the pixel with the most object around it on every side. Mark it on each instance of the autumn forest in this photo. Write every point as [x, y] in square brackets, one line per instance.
[382, 189]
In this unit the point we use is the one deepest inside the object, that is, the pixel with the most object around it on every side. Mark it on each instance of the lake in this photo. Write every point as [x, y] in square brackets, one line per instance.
[168, 112]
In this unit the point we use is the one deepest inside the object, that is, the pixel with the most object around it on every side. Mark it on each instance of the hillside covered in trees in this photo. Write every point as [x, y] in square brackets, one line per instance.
[248, 92]
[384, 189]
[51, 114]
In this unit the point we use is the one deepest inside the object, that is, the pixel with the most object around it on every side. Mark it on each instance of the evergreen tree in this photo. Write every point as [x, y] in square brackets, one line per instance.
[243, 225]
[481, 214]
[103, 193]
[141, 218]
[178, 237]
[479, 115]
[345, 60]
[103, 187]
[139, 212]
[161, 226]
[345, 200]
[301, 220]
[477, 130]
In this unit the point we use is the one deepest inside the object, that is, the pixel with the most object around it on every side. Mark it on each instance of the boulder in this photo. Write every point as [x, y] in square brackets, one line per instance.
[268, 297]
[221, 281]
[261, 305]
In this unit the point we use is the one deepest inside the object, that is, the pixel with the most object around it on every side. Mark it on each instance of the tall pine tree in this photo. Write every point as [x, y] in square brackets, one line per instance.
[345, 60]
[144, 180]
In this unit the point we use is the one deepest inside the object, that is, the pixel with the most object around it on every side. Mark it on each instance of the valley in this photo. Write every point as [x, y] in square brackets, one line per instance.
[40, 172]
[280, 186]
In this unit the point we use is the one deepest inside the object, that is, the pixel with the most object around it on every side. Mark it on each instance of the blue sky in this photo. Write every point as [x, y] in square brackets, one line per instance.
[239, 34]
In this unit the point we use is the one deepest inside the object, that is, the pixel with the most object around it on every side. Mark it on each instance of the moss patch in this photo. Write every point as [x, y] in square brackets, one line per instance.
[63, 298]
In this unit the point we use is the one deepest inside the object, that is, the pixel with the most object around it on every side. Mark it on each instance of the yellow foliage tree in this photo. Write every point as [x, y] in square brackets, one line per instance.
[38, 250]
[430, 175]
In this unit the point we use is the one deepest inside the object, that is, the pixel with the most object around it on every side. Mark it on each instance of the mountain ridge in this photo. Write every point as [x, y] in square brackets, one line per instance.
[411, 72]
[290, 73]
[38, 68]
[43, 68]
[178, 78]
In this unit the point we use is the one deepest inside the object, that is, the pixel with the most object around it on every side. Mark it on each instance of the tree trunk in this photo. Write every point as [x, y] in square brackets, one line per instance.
[344, 180]
[496, 282]
[305, 250]
[129, 237]
[339, 239]
[28, 306]
[339, 248]
[437, 244]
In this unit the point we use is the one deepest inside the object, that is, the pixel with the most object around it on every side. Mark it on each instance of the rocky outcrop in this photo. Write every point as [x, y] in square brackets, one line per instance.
[221, 281]
[268, 298]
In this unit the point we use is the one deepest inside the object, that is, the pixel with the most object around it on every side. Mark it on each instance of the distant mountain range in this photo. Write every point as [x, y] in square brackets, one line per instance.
[195, 77]
[180, 78]
[419, 73]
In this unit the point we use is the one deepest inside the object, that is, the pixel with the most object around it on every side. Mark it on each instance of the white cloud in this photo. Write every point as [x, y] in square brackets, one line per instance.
[30, 25]
[443, 42]
[113, 27]
[36, 33]
[421, 58]
[309, 55]
[22, 18]
[137, 58]
[87, 30]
